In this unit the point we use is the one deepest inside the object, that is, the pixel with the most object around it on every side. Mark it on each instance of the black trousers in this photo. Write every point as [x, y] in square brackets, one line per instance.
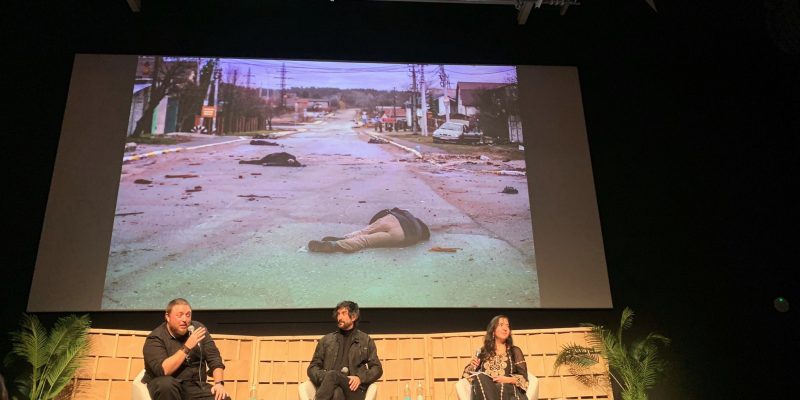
[336, 386]
[484, 388]
[169, 388]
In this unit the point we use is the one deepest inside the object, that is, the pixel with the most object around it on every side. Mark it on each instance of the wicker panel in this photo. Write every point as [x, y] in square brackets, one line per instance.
[273, 367]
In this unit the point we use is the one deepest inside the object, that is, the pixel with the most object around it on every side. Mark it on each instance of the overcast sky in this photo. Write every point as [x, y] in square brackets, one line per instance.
[348, 75]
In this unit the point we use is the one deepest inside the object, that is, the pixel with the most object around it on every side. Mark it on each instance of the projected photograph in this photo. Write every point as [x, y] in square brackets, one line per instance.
[271, 184]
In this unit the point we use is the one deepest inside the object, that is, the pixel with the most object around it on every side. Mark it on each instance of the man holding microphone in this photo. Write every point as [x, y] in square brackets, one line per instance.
[176, 355]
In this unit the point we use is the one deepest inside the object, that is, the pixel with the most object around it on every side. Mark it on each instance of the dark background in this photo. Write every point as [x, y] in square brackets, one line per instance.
[693, 117]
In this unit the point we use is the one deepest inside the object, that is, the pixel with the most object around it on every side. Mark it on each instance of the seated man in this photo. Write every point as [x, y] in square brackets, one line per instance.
[175, 354]
[388, 228]
[345, 362]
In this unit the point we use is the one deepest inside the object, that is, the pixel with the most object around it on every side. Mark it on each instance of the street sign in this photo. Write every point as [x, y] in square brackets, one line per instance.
[209, 112]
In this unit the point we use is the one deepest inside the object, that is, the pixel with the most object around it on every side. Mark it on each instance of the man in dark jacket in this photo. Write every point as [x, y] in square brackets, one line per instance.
[388, 228]
[178, 356]
[345, 362]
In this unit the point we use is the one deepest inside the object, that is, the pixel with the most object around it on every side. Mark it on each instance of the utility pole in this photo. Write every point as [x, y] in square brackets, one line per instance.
[207, 99]
[249, 75]
[423, 99]
[413, 69]
[217, 77]
[283, 86]
[394, 103]
[445, 81]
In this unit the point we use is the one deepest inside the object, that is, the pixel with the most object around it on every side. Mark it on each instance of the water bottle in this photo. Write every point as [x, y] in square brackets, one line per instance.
[420, 392]
[407, 393]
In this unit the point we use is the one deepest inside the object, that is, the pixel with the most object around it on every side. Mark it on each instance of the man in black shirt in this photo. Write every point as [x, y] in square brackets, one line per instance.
[175, 354]
[345, 362]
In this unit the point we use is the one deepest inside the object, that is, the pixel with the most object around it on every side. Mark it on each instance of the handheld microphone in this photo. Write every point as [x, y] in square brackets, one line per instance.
[200, 346]
[477, 355]
[191, 331]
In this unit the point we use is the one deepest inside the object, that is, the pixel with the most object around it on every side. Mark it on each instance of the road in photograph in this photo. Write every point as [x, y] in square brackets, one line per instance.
[198, 224]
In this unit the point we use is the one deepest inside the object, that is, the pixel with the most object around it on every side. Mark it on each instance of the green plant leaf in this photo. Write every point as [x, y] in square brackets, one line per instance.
[635, 368]
[51, 358]
[68, 344]
[575, 355]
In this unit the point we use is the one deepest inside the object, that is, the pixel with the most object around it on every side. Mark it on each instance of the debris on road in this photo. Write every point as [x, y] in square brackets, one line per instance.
[130, 146]
[510, 190]
[142, 181]
[263, 143]
[196, 189]
[183, 176]
[438, 249]
[474, 163]
[378, 141]
[254, 196]
[129, 213]
[281, 159]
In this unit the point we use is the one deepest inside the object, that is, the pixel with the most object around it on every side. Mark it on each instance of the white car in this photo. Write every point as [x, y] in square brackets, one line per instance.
[456, 130]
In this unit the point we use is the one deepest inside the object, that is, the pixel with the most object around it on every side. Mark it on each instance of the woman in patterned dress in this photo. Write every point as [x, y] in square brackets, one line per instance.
[498, 371]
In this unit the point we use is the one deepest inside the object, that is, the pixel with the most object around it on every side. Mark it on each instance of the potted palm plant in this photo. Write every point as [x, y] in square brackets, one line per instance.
[47, 361]
[634, 367]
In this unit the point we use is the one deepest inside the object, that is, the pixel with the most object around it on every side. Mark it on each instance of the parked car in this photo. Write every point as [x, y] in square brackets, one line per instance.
[456, 131]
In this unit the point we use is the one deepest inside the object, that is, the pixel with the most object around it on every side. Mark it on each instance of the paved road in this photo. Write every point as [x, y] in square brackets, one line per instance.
[232, 235]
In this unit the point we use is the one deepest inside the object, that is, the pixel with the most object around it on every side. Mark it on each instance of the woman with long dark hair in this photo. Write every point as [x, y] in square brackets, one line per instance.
[498, 371]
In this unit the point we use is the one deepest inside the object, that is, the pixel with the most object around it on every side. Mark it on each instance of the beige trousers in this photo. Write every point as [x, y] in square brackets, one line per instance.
[385, 232]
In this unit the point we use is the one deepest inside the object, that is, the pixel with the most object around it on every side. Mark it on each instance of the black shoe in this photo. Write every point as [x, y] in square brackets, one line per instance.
[332, 239]
[323, 247]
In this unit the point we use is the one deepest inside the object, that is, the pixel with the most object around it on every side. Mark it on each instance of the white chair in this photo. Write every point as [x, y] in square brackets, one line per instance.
[464, 388]
[138, 389]
[307, 391]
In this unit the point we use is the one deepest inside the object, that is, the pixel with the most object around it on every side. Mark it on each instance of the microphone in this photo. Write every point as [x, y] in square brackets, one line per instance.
[191, 330]
[477, 355]
[200, 346]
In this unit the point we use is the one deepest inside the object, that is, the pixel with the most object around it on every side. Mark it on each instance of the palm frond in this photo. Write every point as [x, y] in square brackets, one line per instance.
[595, 337]
[52, 359]
[28, 344]
[576, 355]
[581, 375]
[625, 322]
[68, 349]
[635, 367]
